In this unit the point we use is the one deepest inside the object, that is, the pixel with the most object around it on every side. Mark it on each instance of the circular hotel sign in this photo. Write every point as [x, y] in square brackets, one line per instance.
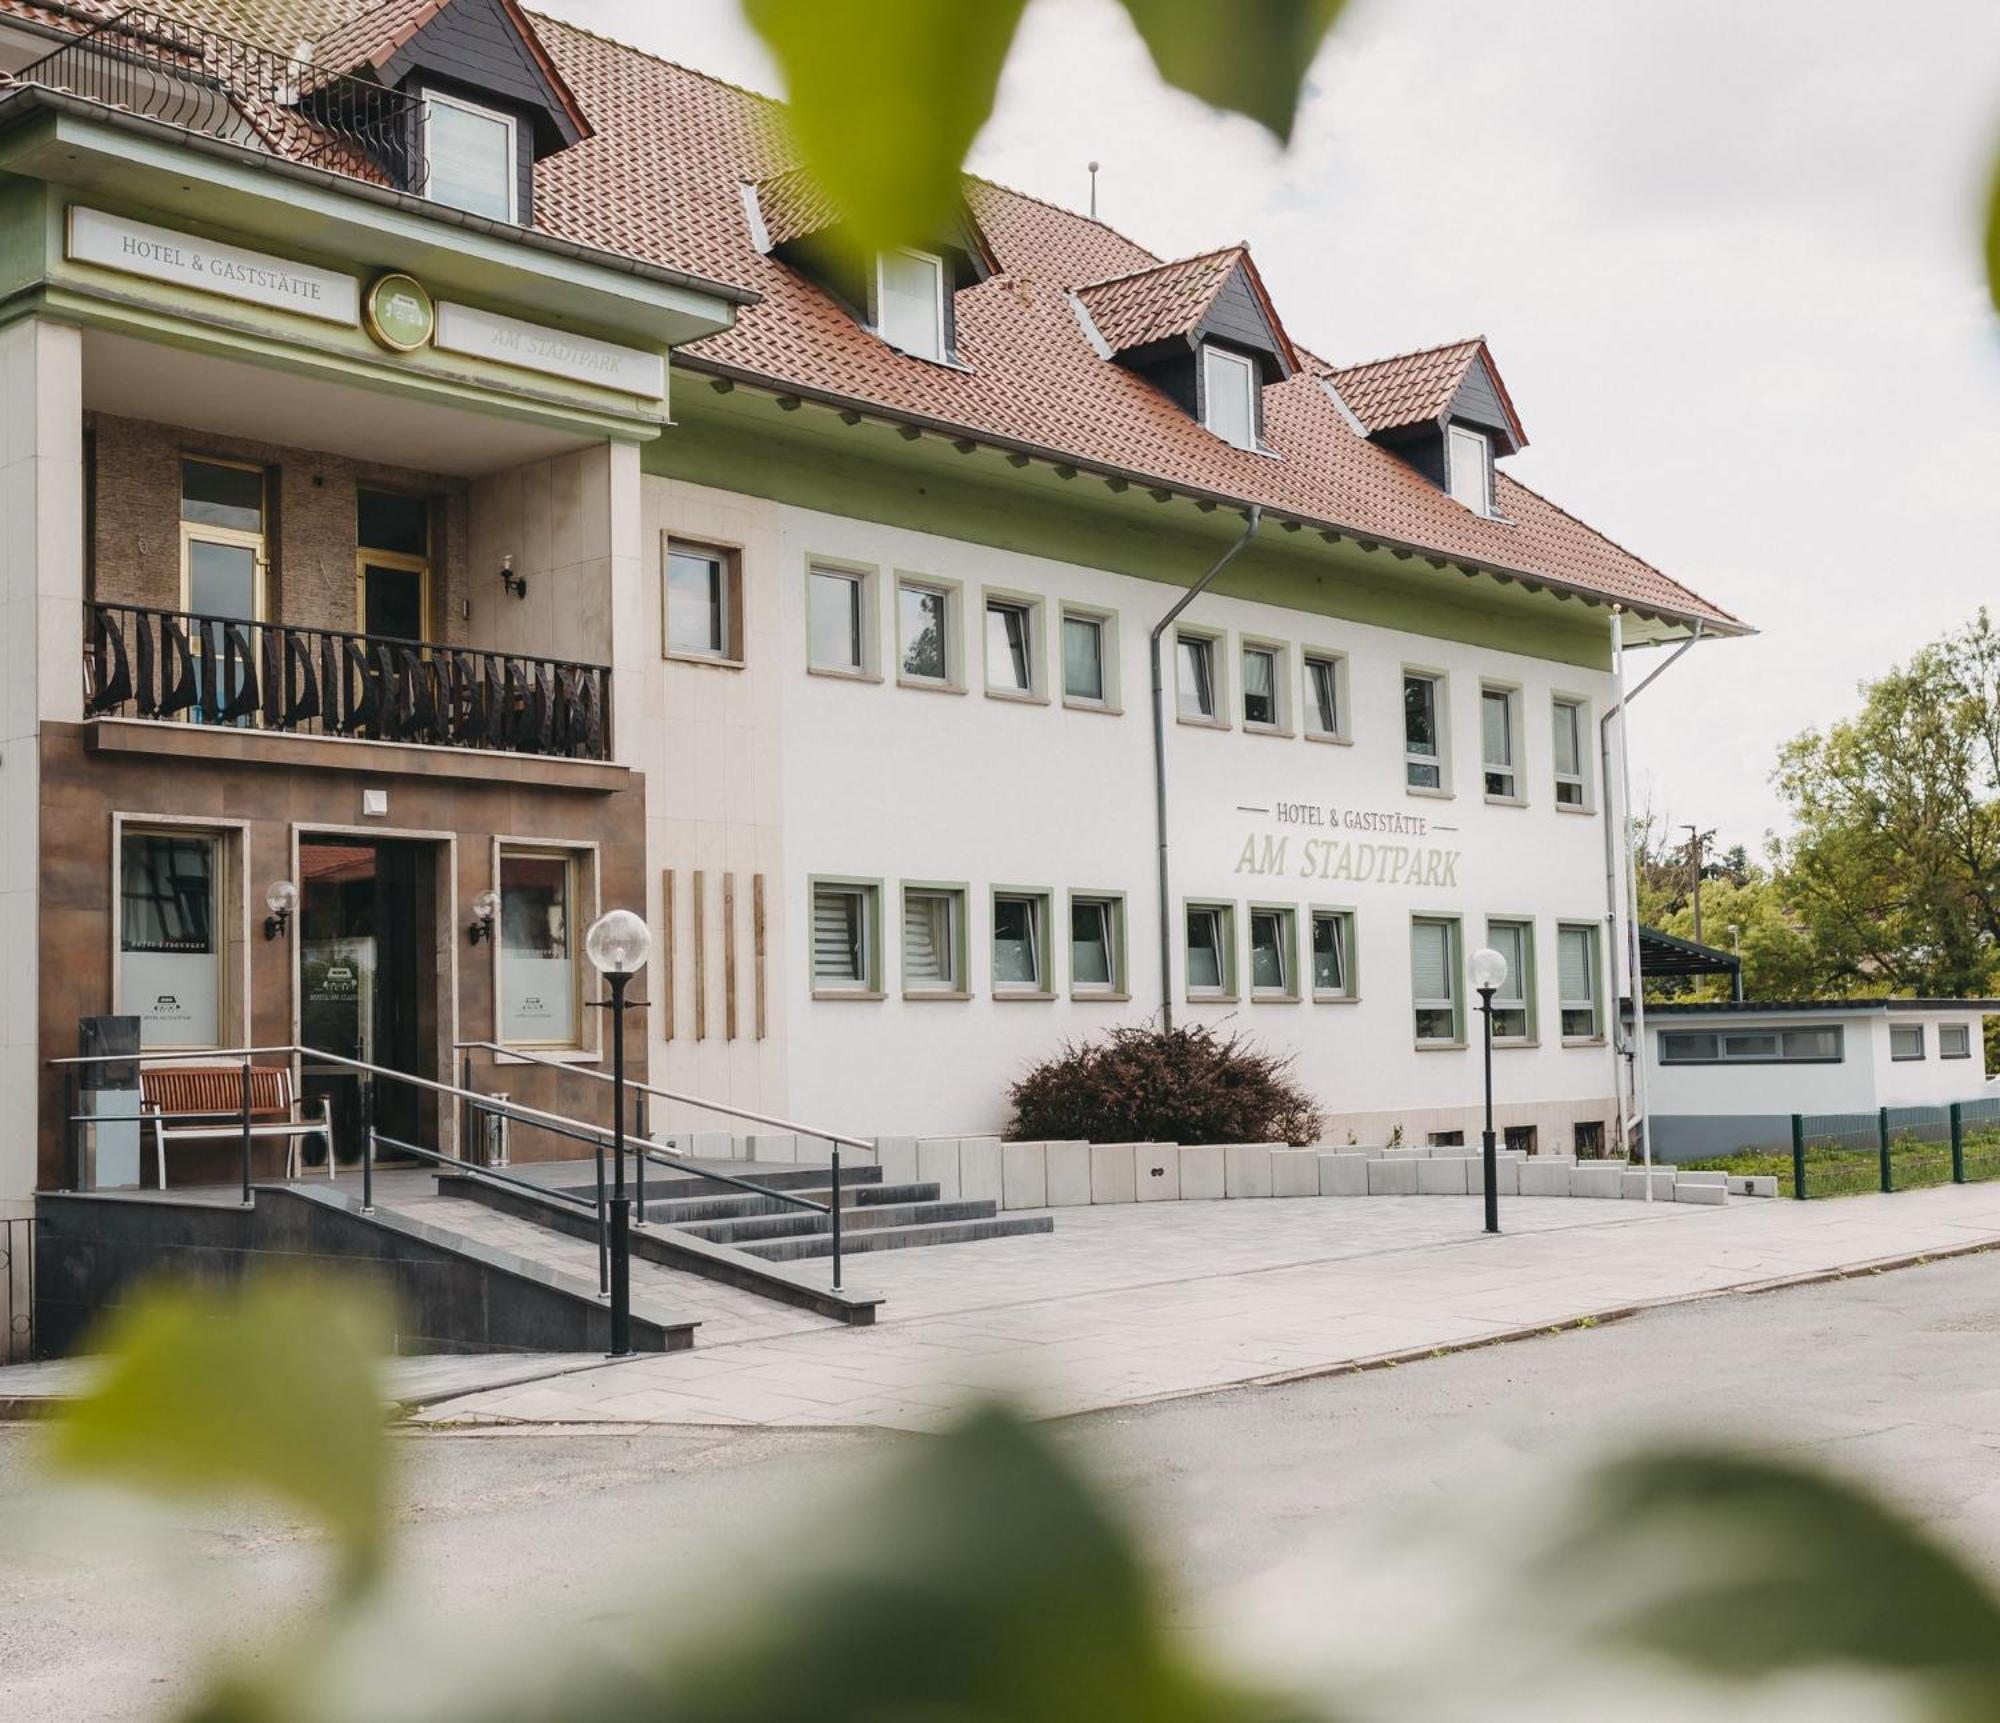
[399, 313]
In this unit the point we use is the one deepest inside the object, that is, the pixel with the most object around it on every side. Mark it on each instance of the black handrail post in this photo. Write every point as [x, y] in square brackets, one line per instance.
[1958, 1142]
[1799, 1156]
[73, 1126]
[465, 1120]
[246, 1133]
[639, 1159]
[621, 1204]
[835, 1193]
[367, 1102]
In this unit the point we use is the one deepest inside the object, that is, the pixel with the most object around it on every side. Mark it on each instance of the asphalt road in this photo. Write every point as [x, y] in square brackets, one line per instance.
[1890, 1377]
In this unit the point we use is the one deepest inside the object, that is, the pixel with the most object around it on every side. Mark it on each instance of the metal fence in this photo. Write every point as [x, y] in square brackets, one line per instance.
[17, 1289]
[1894, 1148]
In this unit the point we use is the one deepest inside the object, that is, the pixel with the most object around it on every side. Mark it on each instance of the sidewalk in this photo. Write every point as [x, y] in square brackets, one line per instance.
[1121, 1305]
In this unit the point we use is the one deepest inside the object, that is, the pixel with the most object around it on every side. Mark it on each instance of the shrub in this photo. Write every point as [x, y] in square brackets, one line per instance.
[1143, 1084]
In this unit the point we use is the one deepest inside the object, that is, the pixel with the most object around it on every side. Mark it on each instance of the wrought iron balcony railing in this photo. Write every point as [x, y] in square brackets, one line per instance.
[147, 62]
[170, 664]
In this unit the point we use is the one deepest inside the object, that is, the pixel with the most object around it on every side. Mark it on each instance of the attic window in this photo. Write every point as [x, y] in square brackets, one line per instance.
[1229, 396]
[1469, 468]
[909, 302]
[469, 157]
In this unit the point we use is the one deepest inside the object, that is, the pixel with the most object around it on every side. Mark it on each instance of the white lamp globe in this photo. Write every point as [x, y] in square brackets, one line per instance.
[618, 943]
[485, 906]
[281, 897]
[1489, 970]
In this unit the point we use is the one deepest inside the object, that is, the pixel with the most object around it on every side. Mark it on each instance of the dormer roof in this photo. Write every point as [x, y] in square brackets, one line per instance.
[1411, 390]
[1214, 292]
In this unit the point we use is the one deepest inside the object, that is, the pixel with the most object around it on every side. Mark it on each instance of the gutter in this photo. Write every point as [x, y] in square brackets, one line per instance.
[1251, 523]
[1635, 1051]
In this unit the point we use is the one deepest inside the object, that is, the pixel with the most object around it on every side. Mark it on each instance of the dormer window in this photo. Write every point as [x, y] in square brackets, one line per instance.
[909, 302]
[1469, 468]
[469, 157]
[1229, 396]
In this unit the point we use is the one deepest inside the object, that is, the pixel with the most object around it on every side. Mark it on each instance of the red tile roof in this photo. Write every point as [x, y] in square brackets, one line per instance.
[1408, 389]
[792, 205]
[661, 180]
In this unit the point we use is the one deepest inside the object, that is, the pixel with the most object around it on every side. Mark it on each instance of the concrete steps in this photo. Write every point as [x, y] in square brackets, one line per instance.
[908, 1237]
[855, 1218]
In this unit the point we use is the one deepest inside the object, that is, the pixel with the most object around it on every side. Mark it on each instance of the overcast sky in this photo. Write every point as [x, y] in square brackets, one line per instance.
[1727, 256]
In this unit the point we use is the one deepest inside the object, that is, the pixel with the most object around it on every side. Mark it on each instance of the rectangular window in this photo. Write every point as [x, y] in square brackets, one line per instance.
[1577, 982]
[1906, 1041]
[392, 536]
[1096, 939]
[1333, 954]
[1326, 705]
[909, 302]
[538, 971]
[169, 936]
[1260, 688]
[1513, 999]
[924, 614]
[1469, 458]
[469, 157]
[933, 927]
[1954, 1041]
[1195, 656]
[222, 540]
[1498, 724]
[1520, 1140]
[700, 603]
[1020, 946]
[1010, 647]
[837, 636]
[1229, 396]
[1444, 1139]
[1211, 959]
[1572, 786]
[844, 939]
[1815, 1046]
[1434, 980]
[1273, 953]
[1083, 659]
[1423, 730]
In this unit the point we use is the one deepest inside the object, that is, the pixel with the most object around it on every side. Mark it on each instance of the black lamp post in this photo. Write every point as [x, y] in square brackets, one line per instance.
[1489, 970]
[618, 945]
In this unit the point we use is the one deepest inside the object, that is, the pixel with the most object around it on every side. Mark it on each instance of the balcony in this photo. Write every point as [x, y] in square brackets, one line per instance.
[280, 678]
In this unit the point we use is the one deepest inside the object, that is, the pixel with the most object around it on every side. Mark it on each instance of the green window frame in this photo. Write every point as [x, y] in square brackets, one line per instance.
[1208, 962]
[1274, 953]
[1097, 918]
[1513, 936]
[1335, 978]
[1018, 946]
[847, 937]
[932, 932]
[1580, 980]
[1437, 980]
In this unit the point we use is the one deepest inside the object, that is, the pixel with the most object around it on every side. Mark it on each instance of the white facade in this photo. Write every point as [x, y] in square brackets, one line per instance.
[766, 767]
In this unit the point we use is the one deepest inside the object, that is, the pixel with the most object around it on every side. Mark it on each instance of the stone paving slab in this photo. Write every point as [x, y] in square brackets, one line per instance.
[1139, 1302]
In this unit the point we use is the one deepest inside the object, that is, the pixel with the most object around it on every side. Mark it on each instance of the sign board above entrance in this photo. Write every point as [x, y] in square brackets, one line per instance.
[208, 266]
[534, 347]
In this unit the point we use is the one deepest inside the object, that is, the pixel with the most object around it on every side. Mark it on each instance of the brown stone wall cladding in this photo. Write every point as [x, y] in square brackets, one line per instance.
[310, 532]
[82, 788]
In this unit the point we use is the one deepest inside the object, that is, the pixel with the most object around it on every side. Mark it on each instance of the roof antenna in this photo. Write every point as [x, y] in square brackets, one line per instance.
[1093, 191]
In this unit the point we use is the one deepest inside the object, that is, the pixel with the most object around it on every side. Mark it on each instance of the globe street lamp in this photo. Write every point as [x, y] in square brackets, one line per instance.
[1489, 971]
[617, 946]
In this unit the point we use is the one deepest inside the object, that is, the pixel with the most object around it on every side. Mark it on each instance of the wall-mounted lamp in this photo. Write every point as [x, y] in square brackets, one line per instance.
[517, 584]
[484, 908]
[281, 897]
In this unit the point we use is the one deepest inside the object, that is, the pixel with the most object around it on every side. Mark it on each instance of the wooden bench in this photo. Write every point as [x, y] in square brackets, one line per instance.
[204, 1104]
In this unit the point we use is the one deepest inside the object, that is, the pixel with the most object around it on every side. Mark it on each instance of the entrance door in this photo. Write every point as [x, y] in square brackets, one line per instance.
[392, 600]
[368, 980]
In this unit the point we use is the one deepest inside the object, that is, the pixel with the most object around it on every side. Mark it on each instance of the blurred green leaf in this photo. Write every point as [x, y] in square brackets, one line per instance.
[268, 1385]
[1251, 57]
[884, 98]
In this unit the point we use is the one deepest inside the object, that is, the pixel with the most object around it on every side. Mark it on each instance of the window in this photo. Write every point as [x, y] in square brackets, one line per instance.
[1572, 787]
[1333, 954]
[909, 302]
[837, 622]
[222, 539]
[1954, 1041]
[169, 936]
[1010, 647]
[1423, 732]
[1520, 1140]
[704, 603]
[1087, 670]
[1263, 707]
[469, 157]
[844, 939]
[1211, 955]
[1020, 955]
[1577, 982]
[1434, 980]
[1499, 723]
[924, 614]
[1326, 696]
[1817, 1046]
[1587, 1139]
[1194, 654]
[1096, 945]
[1229, 396]
[1513, 1000]
[1273, 953]
[1469, 464]
[1906, 1041]
[392, 564]
[933, 940]
[1444, 1139]
[537, 952]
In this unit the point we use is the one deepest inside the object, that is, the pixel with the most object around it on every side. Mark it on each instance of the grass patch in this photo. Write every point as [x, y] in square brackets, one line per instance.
[1846, 1168]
